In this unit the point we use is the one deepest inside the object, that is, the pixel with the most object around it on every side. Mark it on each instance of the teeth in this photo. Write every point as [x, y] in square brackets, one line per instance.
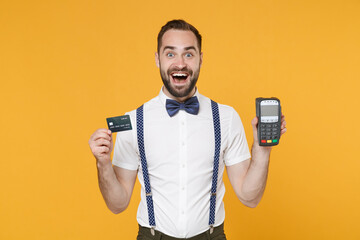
[179, 75]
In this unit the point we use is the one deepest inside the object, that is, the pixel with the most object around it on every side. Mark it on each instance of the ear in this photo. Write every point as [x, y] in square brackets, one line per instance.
[201, 59]
[157, 61]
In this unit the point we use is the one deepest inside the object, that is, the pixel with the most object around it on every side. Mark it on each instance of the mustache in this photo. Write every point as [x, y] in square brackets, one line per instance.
[176, 69]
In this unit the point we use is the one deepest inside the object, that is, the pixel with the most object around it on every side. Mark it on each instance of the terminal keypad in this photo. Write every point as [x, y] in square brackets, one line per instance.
[269, 132]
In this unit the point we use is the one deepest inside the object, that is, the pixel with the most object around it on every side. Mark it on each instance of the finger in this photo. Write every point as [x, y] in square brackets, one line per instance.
[282, 118]
[102, 150]
[254, 123]
[102, 142]
[100, 134]
[283, 131]
[101, 130]
[283, 125]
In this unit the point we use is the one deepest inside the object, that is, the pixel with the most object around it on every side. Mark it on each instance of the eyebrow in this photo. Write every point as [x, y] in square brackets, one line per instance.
[172, 48]
[168, 47]
[191, 47]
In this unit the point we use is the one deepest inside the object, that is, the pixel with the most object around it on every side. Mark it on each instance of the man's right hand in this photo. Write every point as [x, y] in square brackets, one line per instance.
[101, 145]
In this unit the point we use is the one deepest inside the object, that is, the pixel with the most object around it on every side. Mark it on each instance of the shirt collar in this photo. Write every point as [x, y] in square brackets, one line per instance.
[163, 96]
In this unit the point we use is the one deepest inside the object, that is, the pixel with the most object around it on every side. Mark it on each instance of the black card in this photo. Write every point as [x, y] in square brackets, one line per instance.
[118, 124]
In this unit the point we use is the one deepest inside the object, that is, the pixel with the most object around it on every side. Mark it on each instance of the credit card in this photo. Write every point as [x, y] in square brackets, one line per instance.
[118, 124]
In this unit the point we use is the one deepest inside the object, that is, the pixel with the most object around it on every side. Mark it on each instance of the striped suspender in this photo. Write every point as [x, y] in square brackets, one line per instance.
[140, 137]
[149, 200]
[217, 132]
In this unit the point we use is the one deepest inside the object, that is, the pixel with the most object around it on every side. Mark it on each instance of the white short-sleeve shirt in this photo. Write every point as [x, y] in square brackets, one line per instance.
[180, 156]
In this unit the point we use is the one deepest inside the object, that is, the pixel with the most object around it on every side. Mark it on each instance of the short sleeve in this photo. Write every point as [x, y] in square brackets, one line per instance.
[125, 149]
[238, 149]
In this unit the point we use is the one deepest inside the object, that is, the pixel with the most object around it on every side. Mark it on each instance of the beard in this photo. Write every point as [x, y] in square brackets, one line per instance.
[177, 91]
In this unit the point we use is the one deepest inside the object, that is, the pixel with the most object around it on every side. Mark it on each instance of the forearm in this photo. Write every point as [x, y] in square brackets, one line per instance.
[114, 194]
[249, 177]
[255, 180]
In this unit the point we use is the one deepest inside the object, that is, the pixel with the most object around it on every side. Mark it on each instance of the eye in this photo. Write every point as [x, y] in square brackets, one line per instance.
[188, 55]
[170, 54]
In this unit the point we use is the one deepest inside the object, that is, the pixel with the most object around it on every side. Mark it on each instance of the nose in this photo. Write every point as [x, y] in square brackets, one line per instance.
[180, 62]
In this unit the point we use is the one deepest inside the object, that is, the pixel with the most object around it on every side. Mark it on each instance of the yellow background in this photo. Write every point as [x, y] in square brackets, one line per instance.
[67, 65]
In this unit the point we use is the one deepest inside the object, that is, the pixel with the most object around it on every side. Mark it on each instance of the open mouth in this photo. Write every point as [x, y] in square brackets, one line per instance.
[179, 77]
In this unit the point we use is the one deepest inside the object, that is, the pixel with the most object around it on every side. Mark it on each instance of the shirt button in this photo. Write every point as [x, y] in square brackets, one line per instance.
[183, 165]
[183, 188]
[182, 212]
[183, 143]
[182, 123]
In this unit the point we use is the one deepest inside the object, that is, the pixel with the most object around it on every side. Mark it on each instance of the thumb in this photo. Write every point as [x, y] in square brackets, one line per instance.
[254, 123]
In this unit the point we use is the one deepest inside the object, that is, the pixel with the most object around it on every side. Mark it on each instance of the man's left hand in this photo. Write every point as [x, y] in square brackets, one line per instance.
[254, 123]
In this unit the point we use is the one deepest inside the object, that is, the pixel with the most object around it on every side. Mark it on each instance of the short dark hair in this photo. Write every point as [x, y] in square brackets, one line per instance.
[178, 24]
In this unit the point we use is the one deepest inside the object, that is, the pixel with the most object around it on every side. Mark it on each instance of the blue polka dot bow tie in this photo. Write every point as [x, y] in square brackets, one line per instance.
[190, 106]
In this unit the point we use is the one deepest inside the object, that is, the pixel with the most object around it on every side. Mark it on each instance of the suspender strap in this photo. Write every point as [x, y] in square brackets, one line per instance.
[140, 137]
[217, 132]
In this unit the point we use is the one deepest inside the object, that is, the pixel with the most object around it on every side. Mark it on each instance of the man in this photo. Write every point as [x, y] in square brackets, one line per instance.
[177, 168]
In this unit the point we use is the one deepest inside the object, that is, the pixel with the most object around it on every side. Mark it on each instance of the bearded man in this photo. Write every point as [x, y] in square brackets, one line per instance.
[179, 146]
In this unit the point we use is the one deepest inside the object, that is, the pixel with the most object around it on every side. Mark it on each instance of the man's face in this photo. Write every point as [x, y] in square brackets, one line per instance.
[179, 60]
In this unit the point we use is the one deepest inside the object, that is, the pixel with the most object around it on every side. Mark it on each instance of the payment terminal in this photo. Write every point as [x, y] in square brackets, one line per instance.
[268, 111]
